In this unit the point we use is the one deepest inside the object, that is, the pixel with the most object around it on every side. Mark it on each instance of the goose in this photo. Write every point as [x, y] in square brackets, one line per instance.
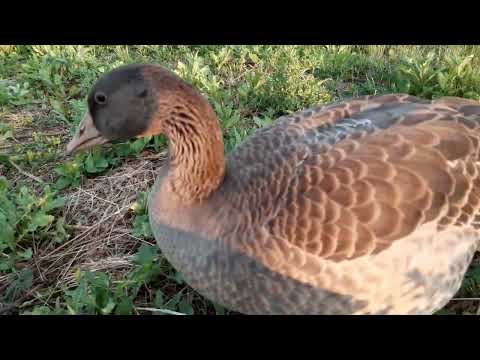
[365, 206]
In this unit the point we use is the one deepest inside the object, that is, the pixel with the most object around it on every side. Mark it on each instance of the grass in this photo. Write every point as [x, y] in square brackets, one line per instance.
[75, 235]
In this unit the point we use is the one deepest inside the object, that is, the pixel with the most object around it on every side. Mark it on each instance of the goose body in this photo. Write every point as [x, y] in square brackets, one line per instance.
[367, 206]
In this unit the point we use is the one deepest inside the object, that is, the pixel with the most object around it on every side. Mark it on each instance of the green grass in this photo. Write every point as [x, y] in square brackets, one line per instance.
[42, 93]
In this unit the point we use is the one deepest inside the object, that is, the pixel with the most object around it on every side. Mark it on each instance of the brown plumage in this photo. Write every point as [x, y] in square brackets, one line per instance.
[367, 206]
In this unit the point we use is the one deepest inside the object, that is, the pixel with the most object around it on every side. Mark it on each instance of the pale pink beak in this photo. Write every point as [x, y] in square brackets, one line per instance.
[86, 136]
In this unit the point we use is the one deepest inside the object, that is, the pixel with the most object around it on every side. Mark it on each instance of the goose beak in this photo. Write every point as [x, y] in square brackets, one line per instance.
[86, 136]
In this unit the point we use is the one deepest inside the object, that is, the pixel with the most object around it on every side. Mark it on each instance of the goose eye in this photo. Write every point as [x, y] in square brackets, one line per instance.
[100, 98]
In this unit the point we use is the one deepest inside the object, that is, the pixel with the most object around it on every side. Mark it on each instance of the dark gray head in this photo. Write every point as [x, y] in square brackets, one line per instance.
[124, 103]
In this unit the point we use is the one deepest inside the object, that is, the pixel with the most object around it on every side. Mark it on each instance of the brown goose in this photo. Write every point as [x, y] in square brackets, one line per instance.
[368, 206]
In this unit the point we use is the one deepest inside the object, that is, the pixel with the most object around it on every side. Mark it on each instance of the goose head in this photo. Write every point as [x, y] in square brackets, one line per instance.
[138, 100]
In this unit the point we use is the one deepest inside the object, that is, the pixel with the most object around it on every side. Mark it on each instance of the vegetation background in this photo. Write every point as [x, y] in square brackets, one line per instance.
[74, 232]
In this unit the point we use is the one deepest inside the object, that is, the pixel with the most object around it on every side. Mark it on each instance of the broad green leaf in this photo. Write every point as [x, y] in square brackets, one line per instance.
[146, 254]
[25, 255]
[125, 307]
[179, 278]
[53, 204]
[108, 308]
[5, 159]
[62, 183]
[62, 170]
[22, 280]
[7, 235]
[138, 145]
[159, 298]
[90, 164]
[60, 232]
[141, 226]
[40, 220]
[8, 209]
[25, 198]
[173, 302]
[101, 164]
[185, 307]
[40, 310]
